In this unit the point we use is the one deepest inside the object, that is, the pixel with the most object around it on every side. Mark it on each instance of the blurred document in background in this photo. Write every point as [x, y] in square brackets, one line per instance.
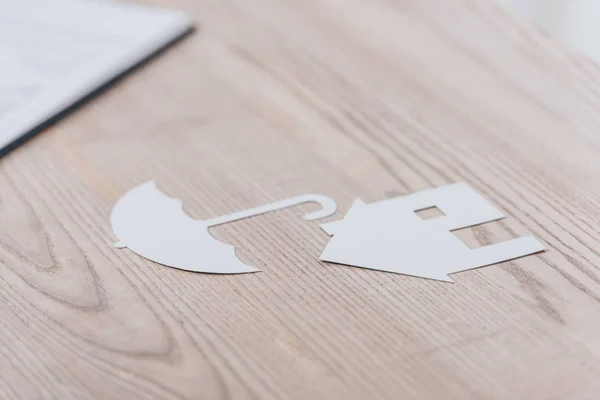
[54, 53]
[574, 22]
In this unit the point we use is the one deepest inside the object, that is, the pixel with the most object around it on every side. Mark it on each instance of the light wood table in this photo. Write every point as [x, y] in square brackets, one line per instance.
[271, 99]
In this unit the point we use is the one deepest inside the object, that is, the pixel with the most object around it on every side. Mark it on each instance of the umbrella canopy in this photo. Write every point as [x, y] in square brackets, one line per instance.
[155, 226]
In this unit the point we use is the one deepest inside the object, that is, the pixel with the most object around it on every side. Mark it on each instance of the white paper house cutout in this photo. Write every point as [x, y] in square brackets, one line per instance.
[390, 236]
[155, 226]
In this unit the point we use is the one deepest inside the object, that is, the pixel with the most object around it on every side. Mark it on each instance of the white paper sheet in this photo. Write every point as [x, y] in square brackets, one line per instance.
[390, 236]
[53, 53]
[155, 226]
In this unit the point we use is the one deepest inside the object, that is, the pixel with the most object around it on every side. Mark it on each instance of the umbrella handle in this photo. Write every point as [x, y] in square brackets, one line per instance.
[328, 208]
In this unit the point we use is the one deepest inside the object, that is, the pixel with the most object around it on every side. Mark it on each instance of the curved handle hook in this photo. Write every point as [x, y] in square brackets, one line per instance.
[328, 206]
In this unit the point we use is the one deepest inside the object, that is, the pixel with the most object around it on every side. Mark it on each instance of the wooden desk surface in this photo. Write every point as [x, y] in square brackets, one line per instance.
[350, 99]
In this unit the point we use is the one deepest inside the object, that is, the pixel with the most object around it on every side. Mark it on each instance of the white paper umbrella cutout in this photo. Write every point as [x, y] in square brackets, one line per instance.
[155, 227]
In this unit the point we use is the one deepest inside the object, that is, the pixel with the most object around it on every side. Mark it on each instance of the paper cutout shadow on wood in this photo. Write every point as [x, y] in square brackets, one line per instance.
[390, 236]
[155, 226]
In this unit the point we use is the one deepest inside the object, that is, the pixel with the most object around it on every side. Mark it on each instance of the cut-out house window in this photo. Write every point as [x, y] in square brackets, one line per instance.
[429, 213]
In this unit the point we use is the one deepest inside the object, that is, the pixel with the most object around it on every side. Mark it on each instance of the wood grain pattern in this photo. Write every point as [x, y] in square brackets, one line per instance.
[350, 98]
